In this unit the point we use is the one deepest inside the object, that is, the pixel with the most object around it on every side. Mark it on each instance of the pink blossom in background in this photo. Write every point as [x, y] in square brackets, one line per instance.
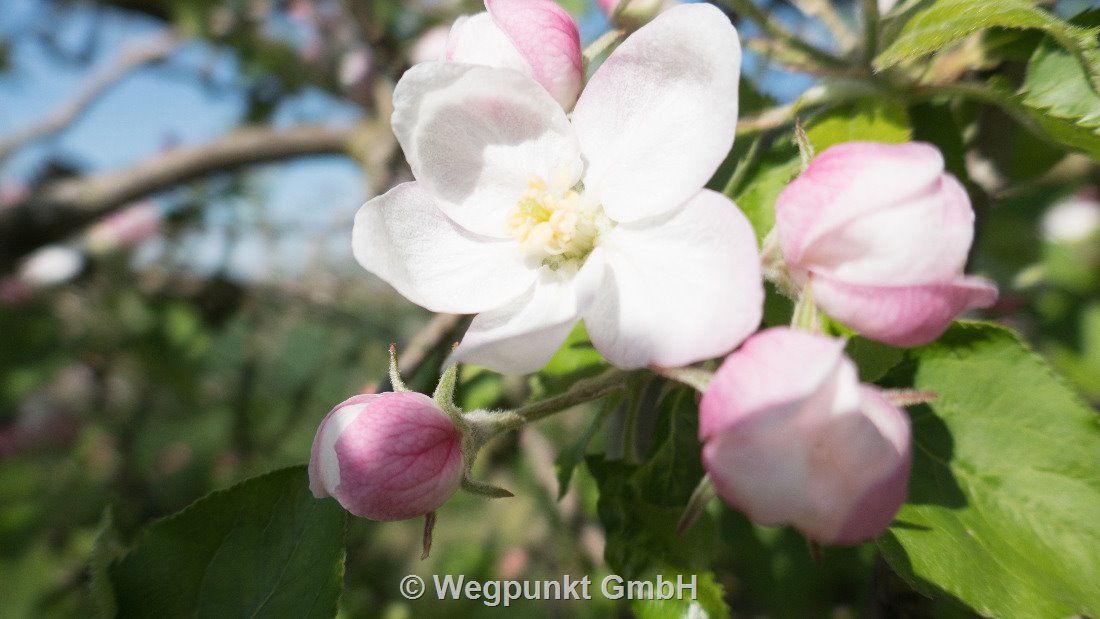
[792, 438]
[387, 456]
[124, 228]
[432, 45]
[534, 220]
[883, 233]
[538, 38]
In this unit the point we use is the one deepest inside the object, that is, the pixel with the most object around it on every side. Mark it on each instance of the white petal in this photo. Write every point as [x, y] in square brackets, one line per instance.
[676, 289]
[659, 115]
[475, 135]
[475, 39]
[520, 337]
[404, 238]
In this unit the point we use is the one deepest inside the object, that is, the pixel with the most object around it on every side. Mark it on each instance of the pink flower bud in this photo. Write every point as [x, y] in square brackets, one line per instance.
[883, 233]
[387, 456]
[535, 37]
[791, 437]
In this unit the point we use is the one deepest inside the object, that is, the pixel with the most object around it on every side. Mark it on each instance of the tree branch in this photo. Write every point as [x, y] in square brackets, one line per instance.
[64, 116]
[61, 207]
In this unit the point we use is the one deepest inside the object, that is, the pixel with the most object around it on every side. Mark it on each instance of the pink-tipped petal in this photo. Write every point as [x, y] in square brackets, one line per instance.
[790, 437]
[875, 509]
[903, 315]
[477, 39]
[883, 232]
[776, 369]
[660, 114]
[848, 181]
[474, 136]
[546, 36]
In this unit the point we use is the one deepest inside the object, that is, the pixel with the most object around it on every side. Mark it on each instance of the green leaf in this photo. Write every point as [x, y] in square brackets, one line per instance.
[871, 119]
[709, 597]
[1058, 84]
[104, 551]
[757, 200]
[874, 359]
[778, 577]
[1005, 483]
[576, 359]
[642, 540]
[571, 456]
[674, 469]
[264, 547]
[944, 22]
[641, 536]
[1057, 131]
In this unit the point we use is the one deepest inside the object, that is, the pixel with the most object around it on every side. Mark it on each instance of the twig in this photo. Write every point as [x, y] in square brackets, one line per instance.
[62, 207]
[826, 13]
[61, 118]
[870, 31]
[777, 31]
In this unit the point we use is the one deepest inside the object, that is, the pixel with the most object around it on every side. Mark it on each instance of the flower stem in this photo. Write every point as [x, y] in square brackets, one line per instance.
[583, 391]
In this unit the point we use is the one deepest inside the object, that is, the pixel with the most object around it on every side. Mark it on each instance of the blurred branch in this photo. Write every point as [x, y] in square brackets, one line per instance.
[824, 11]
[158, 49]
[778, 32]
[437, 336]
[61, 207]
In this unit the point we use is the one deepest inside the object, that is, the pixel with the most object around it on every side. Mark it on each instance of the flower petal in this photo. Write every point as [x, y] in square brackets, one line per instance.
[475, 135]
[890, 458]
[324, 467]
[546, 36]
[405, 239]
[904, 315]
[477, 39]
[759, 377]
[659, 115]
[676, 289]
[853, 180]
[520, 337]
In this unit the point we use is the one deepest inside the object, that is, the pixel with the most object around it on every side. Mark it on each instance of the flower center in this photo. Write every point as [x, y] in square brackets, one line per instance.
[555, 226]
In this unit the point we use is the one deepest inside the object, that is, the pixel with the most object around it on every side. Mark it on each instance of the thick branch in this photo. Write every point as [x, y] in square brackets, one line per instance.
[61, 207]
[73, 109]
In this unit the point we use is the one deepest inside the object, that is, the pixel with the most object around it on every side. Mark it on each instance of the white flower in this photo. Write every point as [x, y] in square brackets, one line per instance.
[534, 221]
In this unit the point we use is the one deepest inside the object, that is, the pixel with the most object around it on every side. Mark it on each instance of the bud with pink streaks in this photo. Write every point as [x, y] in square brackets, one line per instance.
[387, 456]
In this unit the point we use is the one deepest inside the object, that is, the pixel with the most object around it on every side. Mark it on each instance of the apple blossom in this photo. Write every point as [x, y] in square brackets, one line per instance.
[387, 456]
[791, 437]
[883, 233]
[535, 37]
[534, 221]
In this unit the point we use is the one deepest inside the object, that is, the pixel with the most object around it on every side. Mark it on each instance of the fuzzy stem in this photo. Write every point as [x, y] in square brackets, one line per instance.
[583, 391]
